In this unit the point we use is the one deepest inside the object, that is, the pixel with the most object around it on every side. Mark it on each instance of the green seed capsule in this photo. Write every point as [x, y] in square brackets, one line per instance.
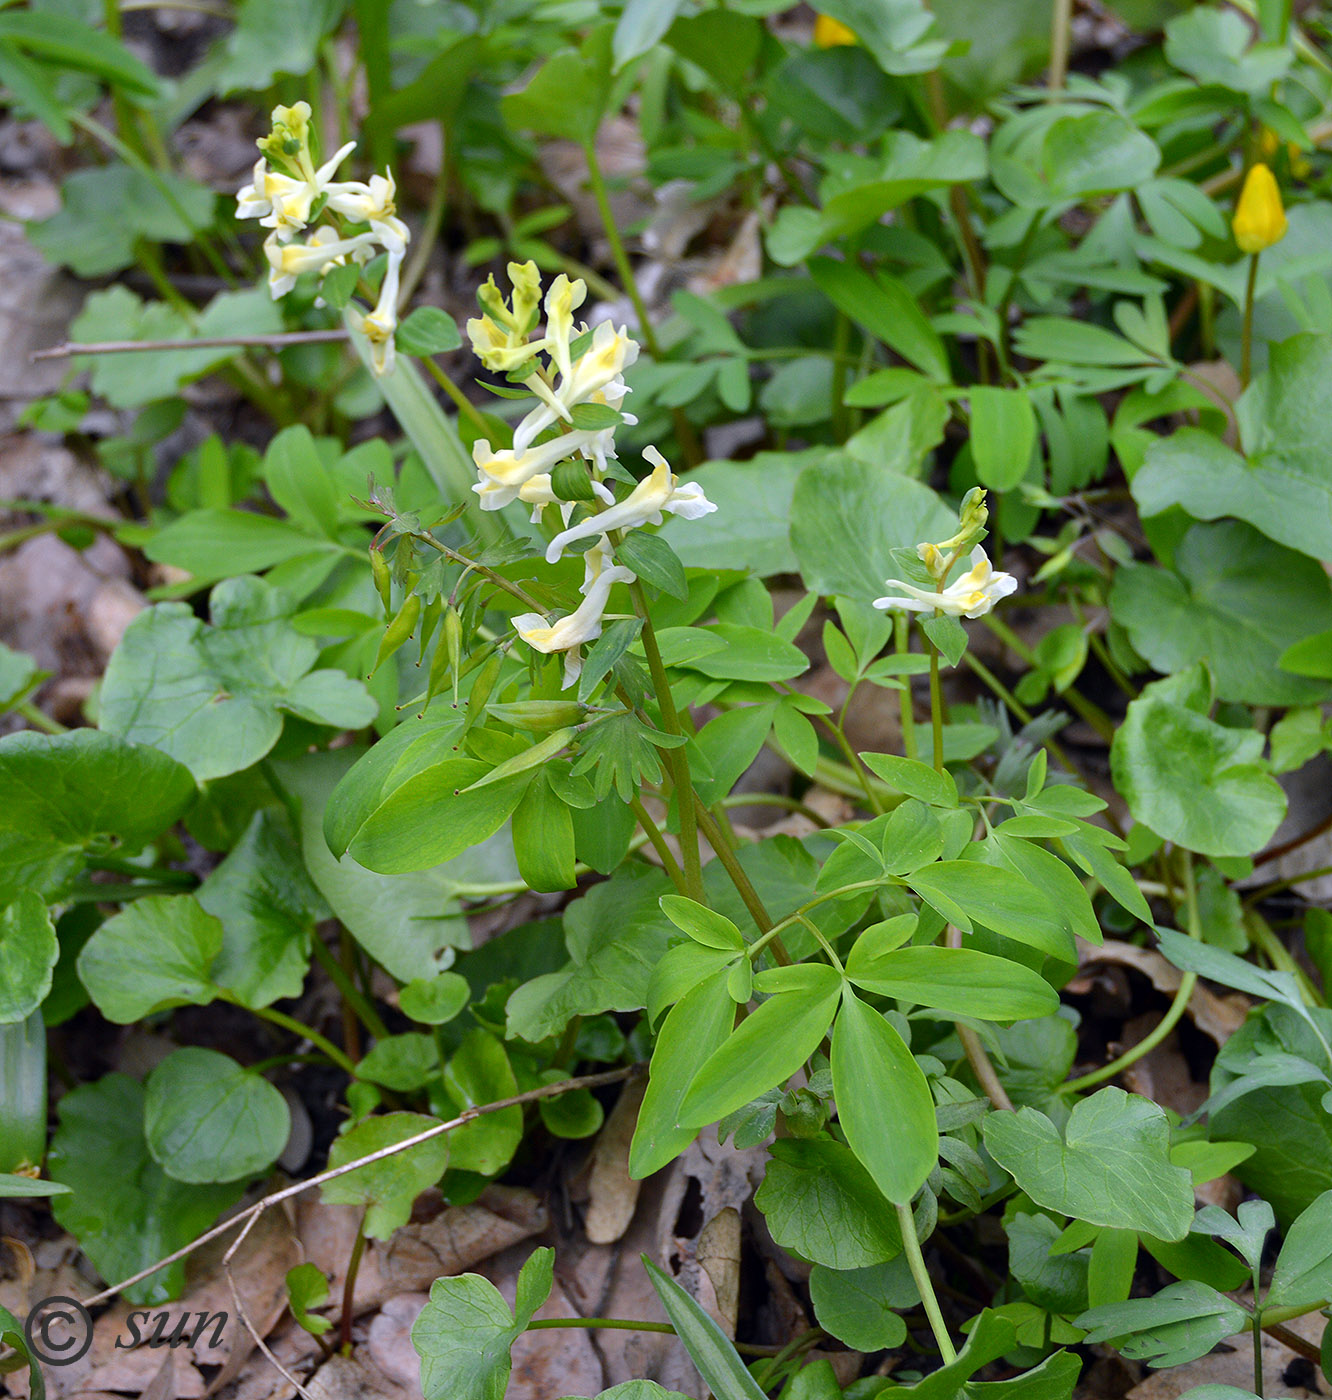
[482, 687]
[538, 714]
[451, 644]
[379, 569]
[399, 630]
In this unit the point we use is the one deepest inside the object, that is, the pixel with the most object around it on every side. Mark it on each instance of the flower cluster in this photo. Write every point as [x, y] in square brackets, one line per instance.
[972, 595]
[288, 191]
[579, 391]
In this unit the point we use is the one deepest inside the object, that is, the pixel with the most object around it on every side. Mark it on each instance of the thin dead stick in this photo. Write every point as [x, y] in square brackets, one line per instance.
[245, 1317]
[548, 1091]
[215, 342]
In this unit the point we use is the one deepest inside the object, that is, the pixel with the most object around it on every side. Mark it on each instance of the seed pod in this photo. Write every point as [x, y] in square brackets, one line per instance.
[482, 687]
[379, 569]
[429, 621]
[538, 714]
[399, 630]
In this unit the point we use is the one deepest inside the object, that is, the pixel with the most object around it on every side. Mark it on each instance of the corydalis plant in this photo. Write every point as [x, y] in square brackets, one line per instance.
[578, 388]
[288, 191]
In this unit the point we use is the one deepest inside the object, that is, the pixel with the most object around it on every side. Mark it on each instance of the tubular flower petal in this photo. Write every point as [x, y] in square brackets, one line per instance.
[1259, 220]
[973, 595]
[286, 261]
[643, 506]
[609, 355]
[582, 625]
[536, 491]
[381, 324]
[563, 299]
[511, 468]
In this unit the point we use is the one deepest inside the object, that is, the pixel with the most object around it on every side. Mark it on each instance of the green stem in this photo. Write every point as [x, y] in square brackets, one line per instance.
[854, 764]
[1246, 335]
[686, 800]
[38, 718]
[916, 1261]
[1093, 714]
[463, 404]
[1257, 1340]
[1176, 1009]
[748, 894]
[936, 708]
[653, 833]
[1061, 34]
[902, 645]
[684, 431]
[775, 799]
[299, 1028]
[424, 242]
[349, 1285]
[621, 258]
[350, 993]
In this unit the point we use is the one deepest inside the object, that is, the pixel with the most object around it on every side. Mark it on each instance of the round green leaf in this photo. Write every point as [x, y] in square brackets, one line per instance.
[1193, 781]
[841, 499]
[435, 1001]
[388, 1187]
[66, 794]
[28, 953]
[1111, 1165]
[156, 953]
[206, 1118]
[1235, 600]
[823, 1205]
[856, 1305]
[123, 1209]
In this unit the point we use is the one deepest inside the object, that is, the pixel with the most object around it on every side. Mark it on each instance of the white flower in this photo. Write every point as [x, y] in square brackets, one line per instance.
[973, 595]
[583, 625]
[609, 355]
[286, 261]
[371, 204]
[643, 506]
[562, 300]
[535, 491]
[283, 202]
[508, 467]
[379, 326]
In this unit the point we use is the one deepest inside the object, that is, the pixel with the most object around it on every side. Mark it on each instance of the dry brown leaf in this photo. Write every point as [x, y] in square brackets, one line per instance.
[1216, 1016]
[389, 1341]
[718, 1255]
[612, 1192]
[456, 1239]
[350, 1378]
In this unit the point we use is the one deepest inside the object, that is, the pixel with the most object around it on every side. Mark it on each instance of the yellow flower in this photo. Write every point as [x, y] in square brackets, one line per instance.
[1259, 220]
[829, 33]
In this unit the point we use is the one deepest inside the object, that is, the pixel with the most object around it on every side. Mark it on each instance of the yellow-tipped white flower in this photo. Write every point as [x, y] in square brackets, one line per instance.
[286, 261]
[371, 204]
[584, 624]
[609, 355]
[508, 467]
[563, 299]
[658, 493]
[973, 595]
[283, 202]
[381, 324]
[537, 492]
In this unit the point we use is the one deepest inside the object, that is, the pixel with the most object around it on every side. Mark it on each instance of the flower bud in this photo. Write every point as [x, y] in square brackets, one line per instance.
[1259, 220]
[829, 33]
